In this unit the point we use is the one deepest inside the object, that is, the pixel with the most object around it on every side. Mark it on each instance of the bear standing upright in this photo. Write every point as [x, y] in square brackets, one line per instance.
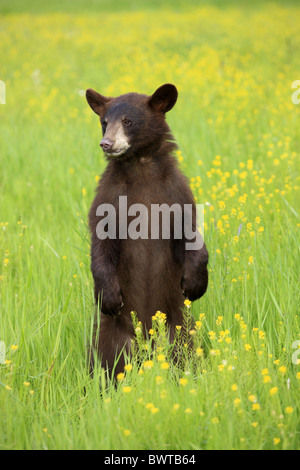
[142, 274]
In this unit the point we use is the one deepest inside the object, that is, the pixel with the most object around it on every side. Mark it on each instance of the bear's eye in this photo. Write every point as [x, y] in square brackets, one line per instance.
[127, 122]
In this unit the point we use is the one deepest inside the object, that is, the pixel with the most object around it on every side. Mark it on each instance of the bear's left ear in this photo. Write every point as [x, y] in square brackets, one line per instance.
[164, 98]
[96, 101]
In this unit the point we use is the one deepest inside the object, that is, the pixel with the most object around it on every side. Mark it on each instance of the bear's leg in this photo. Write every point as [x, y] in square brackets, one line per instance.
[195, 275]
[111, 343]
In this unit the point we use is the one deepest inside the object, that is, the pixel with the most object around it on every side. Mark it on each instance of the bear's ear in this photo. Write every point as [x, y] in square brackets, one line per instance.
[164, 98]
[96, 101]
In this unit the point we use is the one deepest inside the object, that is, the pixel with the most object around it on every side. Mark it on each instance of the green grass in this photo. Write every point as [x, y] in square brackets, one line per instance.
[79, 6]
[238, 132]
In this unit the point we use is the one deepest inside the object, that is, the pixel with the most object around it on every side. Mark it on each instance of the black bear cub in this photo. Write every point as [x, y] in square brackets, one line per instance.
[139, 271]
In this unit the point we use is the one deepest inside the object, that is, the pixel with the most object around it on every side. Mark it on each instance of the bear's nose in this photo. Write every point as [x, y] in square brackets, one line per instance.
[106, 144]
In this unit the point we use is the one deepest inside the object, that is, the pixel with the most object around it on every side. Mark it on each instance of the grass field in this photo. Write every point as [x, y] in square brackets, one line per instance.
[238, 132]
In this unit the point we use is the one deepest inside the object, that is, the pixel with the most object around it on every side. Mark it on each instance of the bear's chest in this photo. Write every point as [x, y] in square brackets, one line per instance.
[147, 185]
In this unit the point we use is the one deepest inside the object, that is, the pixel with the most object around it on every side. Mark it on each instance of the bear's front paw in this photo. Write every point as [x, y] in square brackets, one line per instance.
[194, 287]
[112, 302]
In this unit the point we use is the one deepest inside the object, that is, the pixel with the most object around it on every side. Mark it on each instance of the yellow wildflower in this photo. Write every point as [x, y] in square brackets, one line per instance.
[289, 410]
[161, 357]
[212, 335]
[183, 381]
[199, 352]
[255, 407]
[252, 398]
[267, 379]
[148, 364]
[165, 365]
[282, 369]
[215, 420]
[149, 406]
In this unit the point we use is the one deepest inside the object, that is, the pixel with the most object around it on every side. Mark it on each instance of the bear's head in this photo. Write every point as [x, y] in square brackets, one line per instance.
[133, 124]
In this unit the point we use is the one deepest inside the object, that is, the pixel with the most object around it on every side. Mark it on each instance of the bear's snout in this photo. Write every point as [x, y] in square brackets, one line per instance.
[106, 144]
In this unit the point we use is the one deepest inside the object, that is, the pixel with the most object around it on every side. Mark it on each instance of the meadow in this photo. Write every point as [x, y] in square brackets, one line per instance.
[237, 128]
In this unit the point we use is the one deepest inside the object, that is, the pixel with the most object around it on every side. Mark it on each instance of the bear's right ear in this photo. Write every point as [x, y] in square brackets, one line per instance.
[96, 101]
[164, 98]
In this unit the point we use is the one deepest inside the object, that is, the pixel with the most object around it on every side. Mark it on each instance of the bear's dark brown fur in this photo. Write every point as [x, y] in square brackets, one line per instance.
[141, 275]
